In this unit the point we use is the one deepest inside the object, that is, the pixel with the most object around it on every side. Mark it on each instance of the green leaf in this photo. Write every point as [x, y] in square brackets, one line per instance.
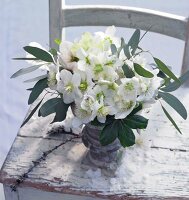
[25, 71]
[136, 122]
[113, 49]
[121, 47]
[49, 107]
[31, 113]
[127, 51]
[37, 90]
[145, 32]
[171, 119]
[136, 109]
[39, 53]
[134, 41]
[95, 122]
[174, 103]
[36, 78]
[53, 52]
[175, 85]
[128, 72]
[61, 111]
[125, 135]
[57, 41]
[109, 133]
[133, 44]
[165, 69]
[142, 72]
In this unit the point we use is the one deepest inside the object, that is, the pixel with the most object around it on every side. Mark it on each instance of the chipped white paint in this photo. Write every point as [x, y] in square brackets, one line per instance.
[161, 171]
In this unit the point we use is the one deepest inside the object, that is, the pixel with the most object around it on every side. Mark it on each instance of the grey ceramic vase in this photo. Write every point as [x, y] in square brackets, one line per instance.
[98, 155]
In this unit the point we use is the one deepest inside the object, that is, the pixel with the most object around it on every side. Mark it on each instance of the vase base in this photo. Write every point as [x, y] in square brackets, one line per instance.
[108, 169]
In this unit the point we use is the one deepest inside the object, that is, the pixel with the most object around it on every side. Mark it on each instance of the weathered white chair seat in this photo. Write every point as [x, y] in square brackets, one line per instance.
[164, 172]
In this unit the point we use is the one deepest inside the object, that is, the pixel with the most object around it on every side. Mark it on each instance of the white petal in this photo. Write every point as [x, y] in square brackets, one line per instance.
[76, 79]
[68, 97]
[65, 76]
[82, 65]
[110, 30]
[81, 54]
[101, 119]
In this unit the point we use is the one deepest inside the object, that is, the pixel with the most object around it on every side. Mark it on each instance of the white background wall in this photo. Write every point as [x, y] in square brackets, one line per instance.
[23, 21]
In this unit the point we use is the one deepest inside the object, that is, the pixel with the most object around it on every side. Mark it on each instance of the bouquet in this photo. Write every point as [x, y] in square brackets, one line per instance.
[105, 80]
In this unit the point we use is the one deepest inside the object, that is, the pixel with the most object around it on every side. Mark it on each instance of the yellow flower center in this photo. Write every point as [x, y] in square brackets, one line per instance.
[69, 87]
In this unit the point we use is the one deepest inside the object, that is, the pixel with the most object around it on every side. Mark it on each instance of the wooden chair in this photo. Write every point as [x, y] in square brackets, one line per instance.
[60, 176]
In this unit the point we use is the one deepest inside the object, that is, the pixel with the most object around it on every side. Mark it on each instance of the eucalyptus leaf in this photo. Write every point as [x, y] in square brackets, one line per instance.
[113, 49]
[133, 44]
[172, 86]
[127, 51]
[171, 119]
[37, 90]
[31, 113]
[121, 47]
[174, 103]
[25, 71]
[36, 78]
[128, 72]
[136, 122]
[165, 69]
[145, 32]
[53, 52]
[109, 133]
[39, 53]
[142, 72]
[125, 135]
[134, 41]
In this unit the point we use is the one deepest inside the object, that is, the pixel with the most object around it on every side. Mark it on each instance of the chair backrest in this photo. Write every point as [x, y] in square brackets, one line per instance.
[129, 17]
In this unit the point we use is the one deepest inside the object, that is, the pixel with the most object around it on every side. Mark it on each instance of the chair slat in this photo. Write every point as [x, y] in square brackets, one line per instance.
[121, 16]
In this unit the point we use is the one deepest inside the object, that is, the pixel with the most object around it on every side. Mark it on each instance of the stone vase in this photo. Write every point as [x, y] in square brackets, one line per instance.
[105, 157]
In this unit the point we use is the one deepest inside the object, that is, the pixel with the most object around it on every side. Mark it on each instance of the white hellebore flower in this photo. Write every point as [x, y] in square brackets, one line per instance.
[66, 58]
[103, 67]
[68, 86]
[126, 99]
[149, 87]
[84, 60]
[86, 83]
[128, 87]
[53, 75]
[100, 110]
[83, 110]
[108, 37]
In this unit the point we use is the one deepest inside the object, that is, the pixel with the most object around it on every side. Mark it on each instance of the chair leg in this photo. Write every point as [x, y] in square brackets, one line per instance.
[185, 63]
[9, 194]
